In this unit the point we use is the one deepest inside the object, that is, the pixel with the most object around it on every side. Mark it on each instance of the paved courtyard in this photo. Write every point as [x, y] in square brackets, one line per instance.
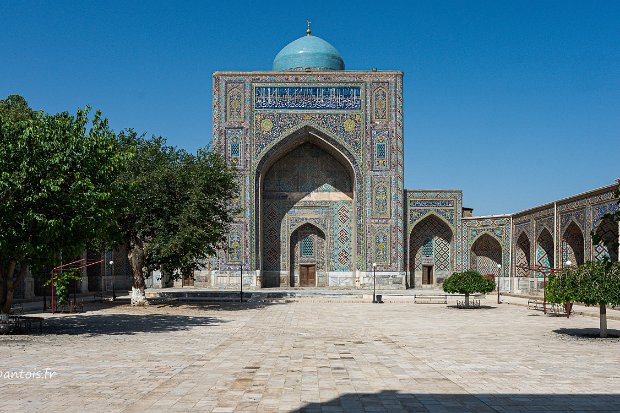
[316, 355]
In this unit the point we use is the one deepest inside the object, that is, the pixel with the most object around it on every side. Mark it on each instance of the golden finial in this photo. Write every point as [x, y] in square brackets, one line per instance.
[308, 32]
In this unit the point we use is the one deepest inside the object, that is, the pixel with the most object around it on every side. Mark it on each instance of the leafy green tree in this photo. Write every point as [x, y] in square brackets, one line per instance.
[57, 184]
[468, 282]
[179, 208]
[593, 283]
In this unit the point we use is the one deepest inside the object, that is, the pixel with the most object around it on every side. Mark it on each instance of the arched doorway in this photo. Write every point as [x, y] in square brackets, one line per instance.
[308, 258]
[306, 179]
[572, 245]
[607, 231]
[545, 257]
[430, 252]
[486, 255]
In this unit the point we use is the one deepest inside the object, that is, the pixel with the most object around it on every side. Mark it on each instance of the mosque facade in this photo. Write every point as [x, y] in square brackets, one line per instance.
[319, 154]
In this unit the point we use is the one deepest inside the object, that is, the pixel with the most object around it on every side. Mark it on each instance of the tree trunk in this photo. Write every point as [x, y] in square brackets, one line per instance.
[6, 289]
[137, 259]
[466, 299]
[603, 320]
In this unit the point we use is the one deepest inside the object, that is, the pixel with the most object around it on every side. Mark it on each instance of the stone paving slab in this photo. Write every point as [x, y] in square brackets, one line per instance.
[318, 356]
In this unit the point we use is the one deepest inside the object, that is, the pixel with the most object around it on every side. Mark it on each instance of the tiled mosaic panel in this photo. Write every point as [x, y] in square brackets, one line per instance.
[522, 256]
[380, 103]
[234, 245]
[234, 101]
[572, 245]
[608, 231]
[382, 246]
[486, 254]
[434, 233]
[381, 149]
[381, 198]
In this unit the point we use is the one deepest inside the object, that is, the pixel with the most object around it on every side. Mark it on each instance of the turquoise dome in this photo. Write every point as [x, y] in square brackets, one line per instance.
[308, 53]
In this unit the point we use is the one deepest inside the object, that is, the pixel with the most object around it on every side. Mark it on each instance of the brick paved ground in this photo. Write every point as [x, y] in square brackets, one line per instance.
[315, 355]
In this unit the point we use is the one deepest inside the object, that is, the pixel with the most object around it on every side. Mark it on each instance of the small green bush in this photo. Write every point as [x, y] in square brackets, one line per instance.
[468, 282]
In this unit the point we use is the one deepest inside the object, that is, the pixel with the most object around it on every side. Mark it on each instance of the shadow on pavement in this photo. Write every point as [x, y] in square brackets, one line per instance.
[587, 332]
[123, 324]
[393, 401]
[213, 305]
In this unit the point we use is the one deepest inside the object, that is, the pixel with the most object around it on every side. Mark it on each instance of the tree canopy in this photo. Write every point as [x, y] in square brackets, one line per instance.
[58, 178]
[593, 283]
[468, 282]
[178, 207]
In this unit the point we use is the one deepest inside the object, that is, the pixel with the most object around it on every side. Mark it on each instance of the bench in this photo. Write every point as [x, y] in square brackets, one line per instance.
[472, 303]
[430, 298]
[72, 307]
[535, 304]
[25, 323]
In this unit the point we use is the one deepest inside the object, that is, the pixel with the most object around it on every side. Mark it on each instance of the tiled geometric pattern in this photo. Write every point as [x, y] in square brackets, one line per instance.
[342, 236]
[433, 238]
[572, 245]
[486, 254]
[234, 142]
[544, 249]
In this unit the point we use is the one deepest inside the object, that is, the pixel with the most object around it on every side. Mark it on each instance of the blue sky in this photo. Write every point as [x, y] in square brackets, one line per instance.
[515, 102]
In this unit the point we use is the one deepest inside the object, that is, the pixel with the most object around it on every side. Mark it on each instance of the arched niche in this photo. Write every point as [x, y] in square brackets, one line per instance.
[486, 255]
[307, 176]
[431, 251]
[522, 255]
[572, 245]
[308, 257]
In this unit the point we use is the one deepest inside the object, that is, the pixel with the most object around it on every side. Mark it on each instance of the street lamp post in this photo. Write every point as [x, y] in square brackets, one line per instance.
[499, 267]
[374, 282]
[241, 283]
[113, 289]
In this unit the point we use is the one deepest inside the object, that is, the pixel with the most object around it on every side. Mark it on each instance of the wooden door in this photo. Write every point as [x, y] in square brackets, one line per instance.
[427, 274]
[307, 275]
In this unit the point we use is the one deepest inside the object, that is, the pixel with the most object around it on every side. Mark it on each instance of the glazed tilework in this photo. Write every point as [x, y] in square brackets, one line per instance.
[272, 112]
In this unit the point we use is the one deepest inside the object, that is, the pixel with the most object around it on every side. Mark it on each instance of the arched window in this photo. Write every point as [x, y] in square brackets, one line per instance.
[307, 246]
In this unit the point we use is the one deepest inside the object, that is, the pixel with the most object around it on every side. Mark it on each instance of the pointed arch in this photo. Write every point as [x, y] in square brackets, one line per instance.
[308, 245]
[288, 183]
[486, 254]
[431, 244]
[522, 255]
[573, 245]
